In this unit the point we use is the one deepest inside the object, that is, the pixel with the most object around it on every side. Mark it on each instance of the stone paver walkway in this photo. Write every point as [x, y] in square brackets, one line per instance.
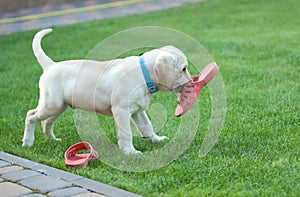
[21, 177]
[82, 11]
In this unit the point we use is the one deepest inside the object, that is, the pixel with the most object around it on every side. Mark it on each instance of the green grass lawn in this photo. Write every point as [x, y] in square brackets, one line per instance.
[257, 46]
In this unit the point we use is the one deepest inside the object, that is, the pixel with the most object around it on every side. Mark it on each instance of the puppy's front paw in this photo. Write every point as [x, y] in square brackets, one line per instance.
[27, 143]
[156, 138]
[57, 139]
[131, 151]
[52, 137]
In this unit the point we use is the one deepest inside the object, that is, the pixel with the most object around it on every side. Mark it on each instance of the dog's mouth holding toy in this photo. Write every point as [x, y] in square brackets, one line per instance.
[178, 89]
[191, 90]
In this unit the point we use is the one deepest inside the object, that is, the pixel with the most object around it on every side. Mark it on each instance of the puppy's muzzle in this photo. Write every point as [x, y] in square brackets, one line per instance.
[179, 89]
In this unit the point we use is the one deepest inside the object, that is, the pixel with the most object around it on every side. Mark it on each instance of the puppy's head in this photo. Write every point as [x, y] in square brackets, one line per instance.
[171, 69]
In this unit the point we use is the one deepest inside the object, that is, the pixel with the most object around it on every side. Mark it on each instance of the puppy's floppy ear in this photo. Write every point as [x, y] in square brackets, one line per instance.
[164, 64]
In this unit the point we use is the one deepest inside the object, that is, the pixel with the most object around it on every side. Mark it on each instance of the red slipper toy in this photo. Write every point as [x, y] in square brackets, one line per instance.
[72, 159]
[191, 90]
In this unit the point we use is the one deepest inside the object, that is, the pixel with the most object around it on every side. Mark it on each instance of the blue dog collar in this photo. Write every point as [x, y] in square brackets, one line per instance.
[149, 82]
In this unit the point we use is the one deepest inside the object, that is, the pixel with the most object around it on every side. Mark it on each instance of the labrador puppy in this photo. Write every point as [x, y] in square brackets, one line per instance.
[116, 88]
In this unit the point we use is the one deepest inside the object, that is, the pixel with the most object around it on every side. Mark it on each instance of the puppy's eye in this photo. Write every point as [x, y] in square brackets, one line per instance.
[184, 69]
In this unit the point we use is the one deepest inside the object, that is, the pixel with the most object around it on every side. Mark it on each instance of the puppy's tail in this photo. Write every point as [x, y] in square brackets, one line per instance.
[40, 55]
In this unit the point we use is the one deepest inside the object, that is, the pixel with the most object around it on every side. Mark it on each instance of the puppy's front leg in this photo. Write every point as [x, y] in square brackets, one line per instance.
[145, 127]
[122, 122]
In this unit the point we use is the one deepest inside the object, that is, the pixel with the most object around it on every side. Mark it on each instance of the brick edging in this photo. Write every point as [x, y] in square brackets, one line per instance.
[67, 176]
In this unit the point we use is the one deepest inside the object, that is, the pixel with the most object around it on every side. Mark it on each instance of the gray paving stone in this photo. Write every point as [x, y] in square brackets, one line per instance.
[90, 195]
[71, 191]
[17, 160]
[34, 195]
[104, 189]
[45, 183]
[20, 175]
[9, 189]
[10, 169]
[56, 173]
[4, 163]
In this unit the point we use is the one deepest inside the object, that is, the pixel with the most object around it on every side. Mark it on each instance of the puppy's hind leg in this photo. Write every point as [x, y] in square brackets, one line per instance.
[30, 124]
[44, 111]
[48, 125]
